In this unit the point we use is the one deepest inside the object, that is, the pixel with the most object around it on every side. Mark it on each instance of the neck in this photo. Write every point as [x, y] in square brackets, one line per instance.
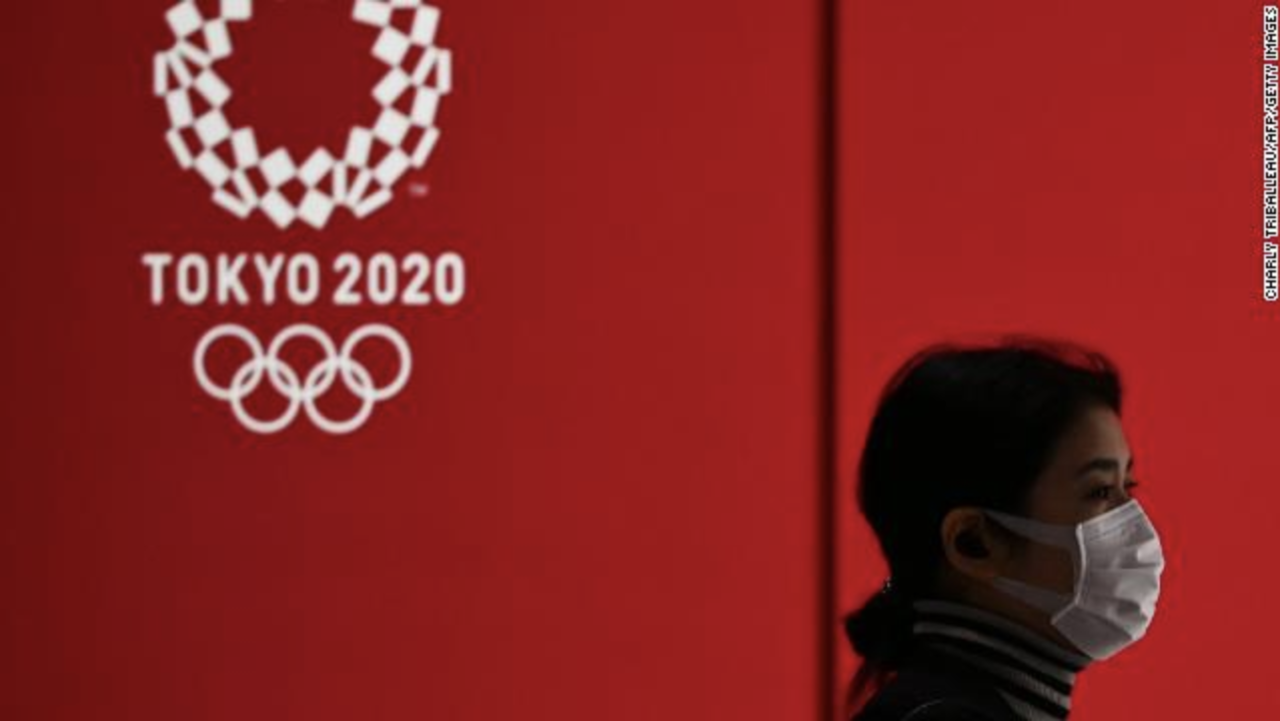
[1034, 675]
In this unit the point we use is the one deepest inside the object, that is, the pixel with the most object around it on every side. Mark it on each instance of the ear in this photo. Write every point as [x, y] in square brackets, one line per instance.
[972, 545]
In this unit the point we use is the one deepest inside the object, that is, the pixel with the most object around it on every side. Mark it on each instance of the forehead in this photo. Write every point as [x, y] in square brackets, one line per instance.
[1097, 433]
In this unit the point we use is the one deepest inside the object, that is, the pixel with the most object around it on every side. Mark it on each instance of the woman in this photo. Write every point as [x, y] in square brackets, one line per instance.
[999, 484]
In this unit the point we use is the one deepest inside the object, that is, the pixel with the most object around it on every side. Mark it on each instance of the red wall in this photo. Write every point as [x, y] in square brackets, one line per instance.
[597, 497]
[1090, 170]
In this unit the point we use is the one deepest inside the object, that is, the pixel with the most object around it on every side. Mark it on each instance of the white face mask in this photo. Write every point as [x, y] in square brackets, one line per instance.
[1117, 560]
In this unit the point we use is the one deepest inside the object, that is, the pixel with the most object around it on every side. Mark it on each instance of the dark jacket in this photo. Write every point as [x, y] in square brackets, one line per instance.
[932, 686]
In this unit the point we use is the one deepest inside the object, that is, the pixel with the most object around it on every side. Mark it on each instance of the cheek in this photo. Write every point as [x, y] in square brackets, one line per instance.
[1062, 503]
[1045, 566]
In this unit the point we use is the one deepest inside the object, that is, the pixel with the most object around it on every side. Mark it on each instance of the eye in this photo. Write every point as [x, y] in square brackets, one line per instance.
[1106, 491]
[1101, 493]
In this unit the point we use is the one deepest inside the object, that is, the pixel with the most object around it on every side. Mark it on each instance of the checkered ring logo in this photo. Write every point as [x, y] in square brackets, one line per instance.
[243, 179]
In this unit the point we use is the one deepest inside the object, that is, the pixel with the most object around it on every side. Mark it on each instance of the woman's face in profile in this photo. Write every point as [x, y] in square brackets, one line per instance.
[1088, 474]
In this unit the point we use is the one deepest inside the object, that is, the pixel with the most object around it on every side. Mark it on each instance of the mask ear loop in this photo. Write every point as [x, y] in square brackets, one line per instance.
[1054, 603]
[1078, 579]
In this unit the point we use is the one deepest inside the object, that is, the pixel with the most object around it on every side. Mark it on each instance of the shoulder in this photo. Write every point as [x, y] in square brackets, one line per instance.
[919, 695]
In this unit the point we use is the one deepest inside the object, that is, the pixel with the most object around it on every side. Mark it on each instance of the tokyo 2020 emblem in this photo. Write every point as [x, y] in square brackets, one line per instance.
[246, 179]
[331, 180]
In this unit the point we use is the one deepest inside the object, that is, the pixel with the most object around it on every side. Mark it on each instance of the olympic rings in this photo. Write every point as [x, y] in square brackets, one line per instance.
[302, 391]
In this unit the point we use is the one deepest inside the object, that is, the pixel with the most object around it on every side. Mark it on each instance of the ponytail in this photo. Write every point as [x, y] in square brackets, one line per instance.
[879, 632]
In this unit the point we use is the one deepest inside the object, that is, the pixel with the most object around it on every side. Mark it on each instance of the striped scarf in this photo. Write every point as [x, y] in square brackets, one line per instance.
[1034, 675]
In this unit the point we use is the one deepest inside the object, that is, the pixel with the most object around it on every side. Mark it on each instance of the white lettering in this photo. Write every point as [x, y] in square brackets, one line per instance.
[228, 275]
[304, 279]
[193, 279]
[156, 263]
[269, 272]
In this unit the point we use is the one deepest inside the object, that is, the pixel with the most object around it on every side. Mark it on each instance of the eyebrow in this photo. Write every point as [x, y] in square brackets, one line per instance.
[1103, 464]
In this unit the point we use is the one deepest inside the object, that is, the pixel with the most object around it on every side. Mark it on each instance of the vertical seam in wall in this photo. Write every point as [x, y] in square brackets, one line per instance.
[828, 276]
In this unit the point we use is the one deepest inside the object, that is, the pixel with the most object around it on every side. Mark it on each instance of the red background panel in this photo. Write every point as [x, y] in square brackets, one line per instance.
[596, 498]
[1088, 170]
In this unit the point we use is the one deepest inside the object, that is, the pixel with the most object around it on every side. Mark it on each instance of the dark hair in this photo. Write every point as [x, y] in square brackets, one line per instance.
[958, 425]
